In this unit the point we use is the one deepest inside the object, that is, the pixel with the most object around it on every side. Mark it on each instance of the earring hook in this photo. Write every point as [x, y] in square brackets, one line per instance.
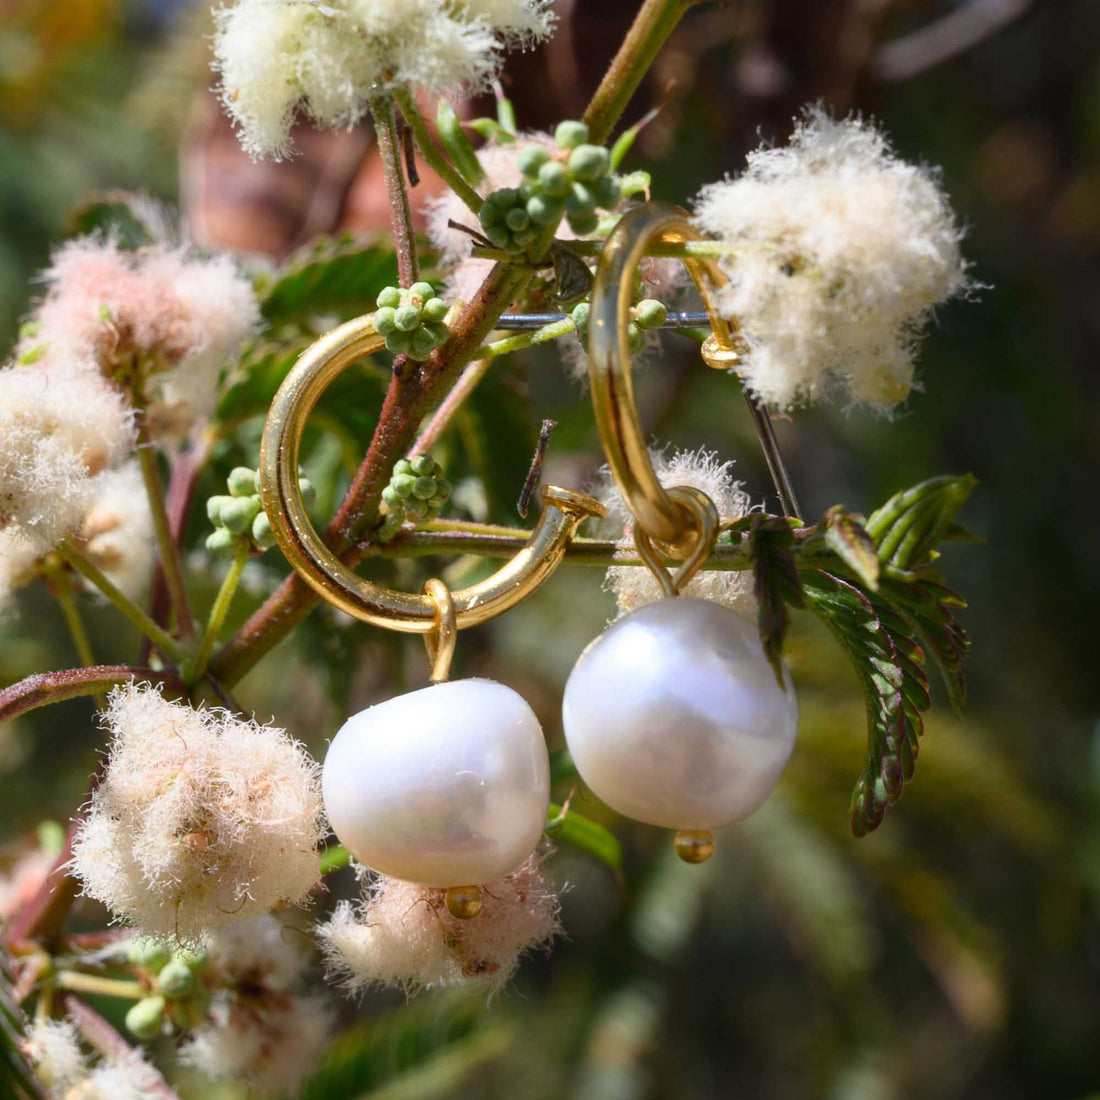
[563, 512]
[440, 644]
[661, 517]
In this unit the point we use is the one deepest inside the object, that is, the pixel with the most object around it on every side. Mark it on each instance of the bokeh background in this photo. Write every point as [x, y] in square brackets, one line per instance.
[955, 952]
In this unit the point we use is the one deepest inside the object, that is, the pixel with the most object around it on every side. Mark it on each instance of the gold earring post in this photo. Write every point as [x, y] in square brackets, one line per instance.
[661, 517]
[563, 512]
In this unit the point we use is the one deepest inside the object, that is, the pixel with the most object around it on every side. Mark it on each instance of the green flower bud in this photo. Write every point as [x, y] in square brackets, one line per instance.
[406, 318]
[400, 343]
[554, 179]
[194, 957]
[570, 134]
[176, 980]
[434, 309]
[221, 543]
[384, 320]
[423, 344]
[403, 485]
[580, 316]
[415, 510]
[238, 514]
[146, 1018]
[242, 482]
[422, 290]
[649, 313]
[489, 215]
[424, 489]
[635, 338]
[530, 159]
[393, 499]
[607, 191]
[390, 526]
[423, 466]
[588, 163]
[583, 224]
[438, 331]
[402, 466]
[580, 200]
[388, 298]
[261, 532]
[517, 219]
[147, 953]
[498, 236]
[443, 490]
[544, 210]
[504, 197]
[528, 189]
[214, 509]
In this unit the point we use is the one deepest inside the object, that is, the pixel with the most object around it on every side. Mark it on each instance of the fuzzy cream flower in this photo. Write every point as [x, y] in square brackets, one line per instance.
[634, 586]
[838, 251]
[116, 532]
[326, 59]
[56, 432]
[172, 318]
[53, 1049]
[200, 819]
[258, 1028]
[403, 935]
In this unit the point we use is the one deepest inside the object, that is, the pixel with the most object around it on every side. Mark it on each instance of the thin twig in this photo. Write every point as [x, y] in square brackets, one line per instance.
[389, 149]
[535, 469]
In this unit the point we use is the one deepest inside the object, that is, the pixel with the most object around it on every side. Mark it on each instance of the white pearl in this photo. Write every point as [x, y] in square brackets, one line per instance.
[446, 786]
[674, 717]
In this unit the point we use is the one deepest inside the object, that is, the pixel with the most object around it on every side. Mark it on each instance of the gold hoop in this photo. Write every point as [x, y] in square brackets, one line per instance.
[564, 510]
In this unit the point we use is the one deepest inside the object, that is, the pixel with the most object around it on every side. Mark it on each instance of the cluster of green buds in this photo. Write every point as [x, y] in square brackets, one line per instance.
[175, 992]
[411, 320]
[240, 516]
[646, 314]
[416, 493]
[573, 182]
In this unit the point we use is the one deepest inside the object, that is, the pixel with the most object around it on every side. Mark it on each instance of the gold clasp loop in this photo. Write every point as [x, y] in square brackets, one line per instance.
[563, 512]
[440, 644]
[704, 532]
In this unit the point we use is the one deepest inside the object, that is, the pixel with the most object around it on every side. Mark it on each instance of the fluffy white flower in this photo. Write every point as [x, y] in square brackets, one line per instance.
[200, 818]
[116, 532]
[634, 586]
[258, 1030]
[327, 59]
[131, 1078]
[403, 935]
[52, 1048]
[56, 431]
[173, 317]
[838, 251]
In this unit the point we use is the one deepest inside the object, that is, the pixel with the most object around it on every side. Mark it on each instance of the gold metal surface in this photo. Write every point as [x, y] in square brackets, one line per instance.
[563, 511]
[440, 643]
[694, 845]
[704, 530]
[464, 902]
[661, 517]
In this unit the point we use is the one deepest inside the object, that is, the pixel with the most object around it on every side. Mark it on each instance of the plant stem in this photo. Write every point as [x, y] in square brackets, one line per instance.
[166, 545]
[63, 593]
[656, 20]
[93, 983]
[526, 339]
[87, 569]
[218, 612]
[467, 382]
[389, 149]
[44, 688]
[431, 152]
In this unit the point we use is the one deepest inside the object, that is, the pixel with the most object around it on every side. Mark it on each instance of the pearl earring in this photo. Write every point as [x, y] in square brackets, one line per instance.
[447, 786]
[674, 715]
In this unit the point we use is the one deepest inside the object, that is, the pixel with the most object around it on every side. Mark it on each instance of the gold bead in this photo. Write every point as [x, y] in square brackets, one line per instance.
[695, 845]
[463, 902]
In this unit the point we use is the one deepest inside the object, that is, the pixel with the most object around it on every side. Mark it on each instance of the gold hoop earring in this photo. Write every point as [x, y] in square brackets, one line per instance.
[674, 715]
[447, 786]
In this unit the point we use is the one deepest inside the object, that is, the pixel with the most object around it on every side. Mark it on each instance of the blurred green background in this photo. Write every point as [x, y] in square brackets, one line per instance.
[955, 952]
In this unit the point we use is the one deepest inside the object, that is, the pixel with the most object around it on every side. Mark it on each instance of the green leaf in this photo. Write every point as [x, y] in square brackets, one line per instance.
[341, 275]
[777, 582]
[593, 838]
[908, 527]
[846, 536]
[127, 218]
[334, 858]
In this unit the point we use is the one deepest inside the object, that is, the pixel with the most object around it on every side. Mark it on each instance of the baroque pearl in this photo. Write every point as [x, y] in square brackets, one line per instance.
[674, 717]
[446, 786]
